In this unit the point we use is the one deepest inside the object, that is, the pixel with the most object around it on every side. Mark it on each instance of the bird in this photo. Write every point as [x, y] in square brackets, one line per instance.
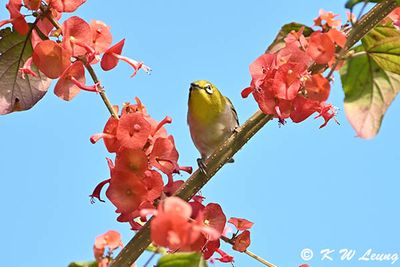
[211, 117]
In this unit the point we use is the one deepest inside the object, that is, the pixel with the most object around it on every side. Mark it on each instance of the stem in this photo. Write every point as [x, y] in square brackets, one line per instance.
[46, 11]
[102, 92]
[362, 9]
[89, 68]
[249, 253]
[228, 149]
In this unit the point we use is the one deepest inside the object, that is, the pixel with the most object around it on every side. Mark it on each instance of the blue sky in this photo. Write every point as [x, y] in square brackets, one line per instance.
[302, 186]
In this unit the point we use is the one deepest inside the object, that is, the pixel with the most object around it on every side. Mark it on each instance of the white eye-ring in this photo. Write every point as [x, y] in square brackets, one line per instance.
[208, 89]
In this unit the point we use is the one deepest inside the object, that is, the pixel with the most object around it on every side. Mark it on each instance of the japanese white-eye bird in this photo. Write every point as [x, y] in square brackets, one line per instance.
[211, 118]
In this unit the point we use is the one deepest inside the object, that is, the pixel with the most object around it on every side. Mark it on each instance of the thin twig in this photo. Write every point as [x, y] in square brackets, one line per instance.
[102, 92]
[362, 9]
[249, 253]
[150, 259]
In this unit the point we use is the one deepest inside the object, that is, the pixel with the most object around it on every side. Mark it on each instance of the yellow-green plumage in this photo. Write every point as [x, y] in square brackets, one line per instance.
[211, 117]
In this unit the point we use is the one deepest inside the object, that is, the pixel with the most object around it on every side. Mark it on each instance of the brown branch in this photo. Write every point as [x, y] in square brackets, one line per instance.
[362, 27]
[228, 149]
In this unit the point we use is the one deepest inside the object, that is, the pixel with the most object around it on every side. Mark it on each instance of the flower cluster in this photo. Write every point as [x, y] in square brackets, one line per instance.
[143, 148]
[241, 239]
[63, 51]
[104, 247]
[189, 226]
[282, 83]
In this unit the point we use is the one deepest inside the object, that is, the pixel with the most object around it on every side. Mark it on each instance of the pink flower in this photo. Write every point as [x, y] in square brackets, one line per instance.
[328, 17]
[317, 87]
[66, 87]
[51, 58]
[113, 55]
[126, 191]
[133, 130]
[77, 36]
[321, 48]
[242, 241]
[241, 224]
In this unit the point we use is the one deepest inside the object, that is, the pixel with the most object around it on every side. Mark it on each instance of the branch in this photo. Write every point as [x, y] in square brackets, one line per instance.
[363, 26]
[249, 253]
[228, 149]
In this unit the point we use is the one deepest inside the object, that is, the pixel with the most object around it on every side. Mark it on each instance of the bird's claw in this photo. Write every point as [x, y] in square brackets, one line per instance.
[202, 166]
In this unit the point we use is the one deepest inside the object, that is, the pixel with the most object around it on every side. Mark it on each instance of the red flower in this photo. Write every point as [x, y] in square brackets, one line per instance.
[126, 191]
[318, 88]
[287, 80]
[292, 53]
[303, 108]
[327, 111]
[321, 48]
[337, 37]
[133, 130]
[241, 224]
[164, 155]
[260, 70]
[110, 239]
[66, 87]
[16, 18]
[395, 17]
[45, 26]
[113, 55]
[101, 36]
[296, 38]
[327, 17]
[224, 256]
[214, 217]
[109, 61]
[154, 184]
[209, 249]
[76, 31]
[51, 58]
[32, 4]
[27, 69]
[131, 160]
[242, 241]
[171, 227]
[65, 5]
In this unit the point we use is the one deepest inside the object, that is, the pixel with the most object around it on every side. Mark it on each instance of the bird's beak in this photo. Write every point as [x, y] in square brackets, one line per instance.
[193, 86]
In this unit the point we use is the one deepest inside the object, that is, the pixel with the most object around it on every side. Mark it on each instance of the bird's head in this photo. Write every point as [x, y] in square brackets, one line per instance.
[205, 98]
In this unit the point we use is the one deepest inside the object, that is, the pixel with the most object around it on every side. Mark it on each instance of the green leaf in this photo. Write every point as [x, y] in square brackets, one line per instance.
[351, 3]
[16, 93]
[182, 260]
[369, 90]
[83, 264]
[278, 42]
[383, 45]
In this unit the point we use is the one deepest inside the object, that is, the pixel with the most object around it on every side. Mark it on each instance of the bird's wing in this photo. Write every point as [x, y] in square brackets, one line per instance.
[233, 110]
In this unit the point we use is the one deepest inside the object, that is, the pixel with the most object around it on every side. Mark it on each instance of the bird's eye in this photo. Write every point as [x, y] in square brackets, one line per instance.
[208, 89]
